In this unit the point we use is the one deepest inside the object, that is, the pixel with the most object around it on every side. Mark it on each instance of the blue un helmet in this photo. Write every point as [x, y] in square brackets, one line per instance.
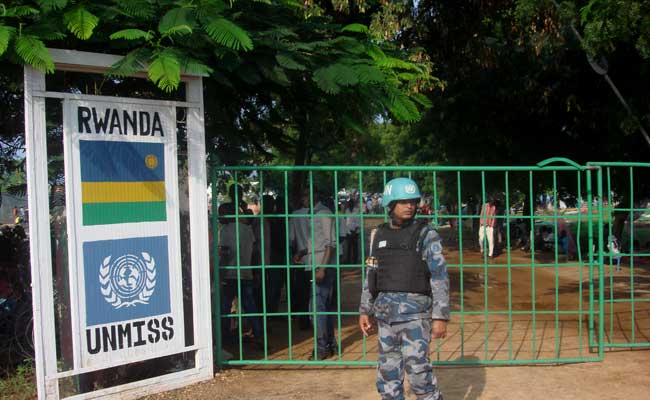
[400, 189]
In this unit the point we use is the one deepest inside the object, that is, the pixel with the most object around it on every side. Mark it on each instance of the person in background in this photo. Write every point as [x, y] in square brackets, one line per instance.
[238, 197]
[343, 232]
[486, 226]
[316, 253]
[353, 222]
[615, 250]
[232, 255]
[300, 240]
[276, 277]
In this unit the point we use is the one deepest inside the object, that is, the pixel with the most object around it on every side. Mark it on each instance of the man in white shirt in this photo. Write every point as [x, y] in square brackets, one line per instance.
[315, 252]
[299, 234]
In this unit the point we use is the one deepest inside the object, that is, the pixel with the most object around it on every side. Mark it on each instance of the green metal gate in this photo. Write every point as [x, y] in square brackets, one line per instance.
[537, 301]
[624, 218]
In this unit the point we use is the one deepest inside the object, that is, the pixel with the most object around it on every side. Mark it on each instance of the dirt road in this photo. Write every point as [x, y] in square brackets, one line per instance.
[623, 375]
[508, 331]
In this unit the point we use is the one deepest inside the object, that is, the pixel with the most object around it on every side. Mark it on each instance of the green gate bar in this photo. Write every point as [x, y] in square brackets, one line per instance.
[518, 331]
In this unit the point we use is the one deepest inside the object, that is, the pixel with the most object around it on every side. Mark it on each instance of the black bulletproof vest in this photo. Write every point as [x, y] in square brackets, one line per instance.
[399, 266]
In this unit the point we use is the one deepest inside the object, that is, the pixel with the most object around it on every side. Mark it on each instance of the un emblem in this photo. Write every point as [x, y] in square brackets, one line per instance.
[410, 189]
[127, 280]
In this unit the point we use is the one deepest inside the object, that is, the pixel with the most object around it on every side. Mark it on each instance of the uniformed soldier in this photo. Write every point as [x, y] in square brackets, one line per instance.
[407, 291]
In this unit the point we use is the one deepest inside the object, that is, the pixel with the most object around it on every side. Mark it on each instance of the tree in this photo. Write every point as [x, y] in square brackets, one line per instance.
[11, 117]
[333, 81]
[281, 79]
[164, 37]
[605, 24]
[605, 30]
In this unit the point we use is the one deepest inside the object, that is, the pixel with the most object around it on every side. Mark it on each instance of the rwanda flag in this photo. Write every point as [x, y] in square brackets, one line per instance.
[122, 182]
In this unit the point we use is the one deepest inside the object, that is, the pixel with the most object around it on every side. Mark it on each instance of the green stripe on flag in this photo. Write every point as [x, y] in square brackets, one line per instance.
[119, 213]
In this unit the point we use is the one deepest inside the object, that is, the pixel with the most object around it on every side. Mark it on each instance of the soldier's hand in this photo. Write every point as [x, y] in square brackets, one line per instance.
[365, 323]
[439, 329]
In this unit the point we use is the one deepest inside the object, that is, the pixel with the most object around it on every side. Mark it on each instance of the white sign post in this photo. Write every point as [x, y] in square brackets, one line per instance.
[123, 228]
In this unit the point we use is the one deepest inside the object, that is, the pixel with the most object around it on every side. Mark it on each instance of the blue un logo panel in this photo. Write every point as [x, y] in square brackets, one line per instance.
[126, 279]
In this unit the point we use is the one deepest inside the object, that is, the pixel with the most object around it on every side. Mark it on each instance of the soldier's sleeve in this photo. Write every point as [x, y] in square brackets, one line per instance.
[365, 306]
[431, 246]
[367, 301]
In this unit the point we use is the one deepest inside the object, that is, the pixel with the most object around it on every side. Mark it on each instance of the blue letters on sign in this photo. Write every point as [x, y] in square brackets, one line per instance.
[126, 279]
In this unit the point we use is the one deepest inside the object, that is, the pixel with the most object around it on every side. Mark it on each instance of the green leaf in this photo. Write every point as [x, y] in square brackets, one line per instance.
[132, 63]
[422, 100]
[403, 108]
[350, 123]
[289, 63]
[180, 30]
[326, 82]
[131, 34]
[19, 11]
[177, 20]
[278, 34]
[307, 47]
[196, 67]
[376, 53]
[369, 74]
[34, 53]
[80, 22]
[406, 76]
[228, 34]
[165, 71]
[350, 44]
[269, 74]
[357, 28]
[345, 75]
[48, 5]
[395, 63]
[279, 76]
[136, 8]
[211, 8]
[6, 32]
[294, 3]
[330, 79]
[585, 11]
[46, 29]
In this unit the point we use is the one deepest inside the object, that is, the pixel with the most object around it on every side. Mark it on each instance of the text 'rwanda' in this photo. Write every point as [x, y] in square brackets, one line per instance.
[111, 121]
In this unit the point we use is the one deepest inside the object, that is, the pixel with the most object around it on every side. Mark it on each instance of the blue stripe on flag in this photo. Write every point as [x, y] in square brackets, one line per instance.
[109, 161]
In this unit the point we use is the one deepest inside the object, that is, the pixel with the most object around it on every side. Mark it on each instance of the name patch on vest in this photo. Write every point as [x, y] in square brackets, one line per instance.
[382, 243]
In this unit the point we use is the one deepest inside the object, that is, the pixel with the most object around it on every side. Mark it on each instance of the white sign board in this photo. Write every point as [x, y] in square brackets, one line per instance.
[124, 249]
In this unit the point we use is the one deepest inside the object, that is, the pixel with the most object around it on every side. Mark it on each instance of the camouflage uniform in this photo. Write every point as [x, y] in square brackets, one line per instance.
[405, 321]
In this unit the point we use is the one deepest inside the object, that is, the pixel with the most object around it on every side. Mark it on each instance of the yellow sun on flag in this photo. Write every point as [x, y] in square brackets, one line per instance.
[151, 161]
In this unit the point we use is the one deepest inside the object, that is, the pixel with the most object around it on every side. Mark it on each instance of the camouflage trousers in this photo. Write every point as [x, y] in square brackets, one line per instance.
[405, 346]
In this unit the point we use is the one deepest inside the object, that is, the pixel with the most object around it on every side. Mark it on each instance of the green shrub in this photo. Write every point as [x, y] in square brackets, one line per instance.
[19, 384]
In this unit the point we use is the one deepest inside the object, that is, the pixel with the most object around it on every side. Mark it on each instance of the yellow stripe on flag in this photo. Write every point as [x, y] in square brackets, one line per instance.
[122, 192]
